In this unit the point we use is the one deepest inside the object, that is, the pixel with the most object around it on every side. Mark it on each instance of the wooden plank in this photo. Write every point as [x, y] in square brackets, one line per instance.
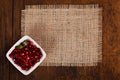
[17, 6]
[111, 45]
[5, 36]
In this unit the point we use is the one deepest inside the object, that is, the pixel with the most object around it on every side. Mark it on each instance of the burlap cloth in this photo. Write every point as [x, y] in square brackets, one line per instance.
[71, 35]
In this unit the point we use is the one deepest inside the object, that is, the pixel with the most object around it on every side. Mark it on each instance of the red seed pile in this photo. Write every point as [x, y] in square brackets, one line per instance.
[26, 55]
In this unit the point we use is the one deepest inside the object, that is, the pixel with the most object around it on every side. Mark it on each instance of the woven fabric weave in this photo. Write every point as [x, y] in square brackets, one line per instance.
[71, 35]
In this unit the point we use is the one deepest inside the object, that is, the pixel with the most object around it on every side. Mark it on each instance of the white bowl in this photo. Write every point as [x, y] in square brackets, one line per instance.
[18, 67]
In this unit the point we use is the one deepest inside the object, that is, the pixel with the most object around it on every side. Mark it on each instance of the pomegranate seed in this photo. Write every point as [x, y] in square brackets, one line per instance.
[26, 49]
[26, 55]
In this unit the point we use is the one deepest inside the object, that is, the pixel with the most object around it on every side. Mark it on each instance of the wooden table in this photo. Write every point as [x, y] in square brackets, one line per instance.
[109, 69]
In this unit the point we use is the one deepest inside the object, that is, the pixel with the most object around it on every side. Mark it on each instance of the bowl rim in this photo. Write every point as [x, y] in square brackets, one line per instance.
[26, 37]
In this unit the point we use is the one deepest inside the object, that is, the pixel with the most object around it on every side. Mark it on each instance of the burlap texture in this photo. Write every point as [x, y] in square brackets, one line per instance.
[71, 35]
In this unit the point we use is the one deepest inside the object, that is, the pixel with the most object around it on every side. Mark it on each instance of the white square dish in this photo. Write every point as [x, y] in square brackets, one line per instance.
[18, 67]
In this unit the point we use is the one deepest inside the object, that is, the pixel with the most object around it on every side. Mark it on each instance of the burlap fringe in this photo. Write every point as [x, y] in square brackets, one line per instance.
[22, 23]
[61, 6]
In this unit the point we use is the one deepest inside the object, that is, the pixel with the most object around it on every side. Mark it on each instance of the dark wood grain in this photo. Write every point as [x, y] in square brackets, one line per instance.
[109, 69]
[5, 36]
